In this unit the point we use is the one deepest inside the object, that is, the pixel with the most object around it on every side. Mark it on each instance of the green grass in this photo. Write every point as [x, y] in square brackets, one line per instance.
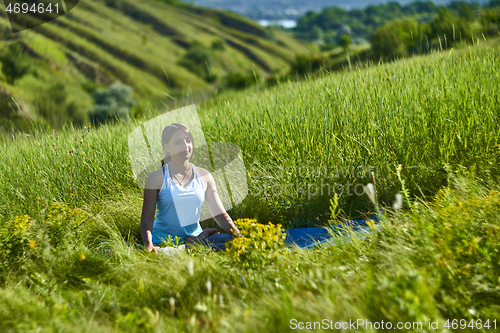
[426, 113]
[422, 113]
[436, 115]
[437, 262]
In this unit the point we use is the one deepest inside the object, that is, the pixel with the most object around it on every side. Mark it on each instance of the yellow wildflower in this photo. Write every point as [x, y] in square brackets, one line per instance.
[19, 224]
[257, 243]
[31, 243]
[82, 256]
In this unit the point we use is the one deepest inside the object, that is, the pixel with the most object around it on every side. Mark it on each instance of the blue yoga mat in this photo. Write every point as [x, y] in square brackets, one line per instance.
[307, 238]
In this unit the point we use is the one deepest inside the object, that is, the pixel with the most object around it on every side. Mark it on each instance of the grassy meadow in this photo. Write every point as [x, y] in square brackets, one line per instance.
[70, 210]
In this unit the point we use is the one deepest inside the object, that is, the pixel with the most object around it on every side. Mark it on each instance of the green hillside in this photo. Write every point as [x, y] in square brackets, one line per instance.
[152, 46]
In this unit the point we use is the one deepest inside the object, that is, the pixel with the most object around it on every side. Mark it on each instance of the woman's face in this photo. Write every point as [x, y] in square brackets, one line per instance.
[180, 145]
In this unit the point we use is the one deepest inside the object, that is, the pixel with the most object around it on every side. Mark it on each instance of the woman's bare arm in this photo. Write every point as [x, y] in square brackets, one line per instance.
[151, 190]
[217, 209]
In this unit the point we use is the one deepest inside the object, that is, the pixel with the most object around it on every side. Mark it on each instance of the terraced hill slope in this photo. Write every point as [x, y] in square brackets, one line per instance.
[157, 47]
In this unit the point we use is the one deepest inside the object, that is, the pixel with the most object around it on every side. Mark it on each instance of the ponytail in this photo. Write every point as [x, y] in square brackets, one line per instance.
[166, 159]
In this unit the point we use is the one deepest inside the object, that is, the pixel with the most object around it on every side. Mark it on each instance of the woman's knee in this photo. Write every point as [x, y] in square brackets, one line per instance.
[220, 238]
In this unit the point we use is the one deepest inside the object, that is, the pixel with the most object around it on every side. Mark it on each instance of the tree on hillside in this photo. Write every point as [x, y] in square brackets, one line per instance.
[238, 80]
[490, 21]
[198, 60]
[305, 23]
[306, 64]
[373, 10]
[332, 18]
[14, 63]
[316, 35]
[387, 44]
[398, 38]
[393, 9]
[450, 29]
[494, 3]
[345, 43]
[420, 7]
[357, 14]
[463, 9]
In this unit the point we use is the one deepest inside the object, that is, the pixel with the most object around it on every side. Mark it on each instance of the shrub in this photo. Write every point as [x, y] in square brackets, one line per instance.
[270, 34]
[26, 243]
[316, 35]
[464, 10]
[62, 223]
[490, 21]
[54, 105]
[7, 107]
[218, 45]
[275, 79]
[14, 116]
[450, 29]
[258, 244]
[387, 43]
[14, 63]
[327, 46]
[198, 60]
[51, 103]
[307, 64]
[14, 238]
[112, 103]
[397, 38]
[345, 41]
[238, 80]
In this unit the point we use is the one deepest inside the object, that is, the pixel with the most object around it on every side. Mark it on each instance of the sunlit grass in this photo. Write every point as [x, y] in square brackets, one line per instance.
[437, 262]
[436, 115]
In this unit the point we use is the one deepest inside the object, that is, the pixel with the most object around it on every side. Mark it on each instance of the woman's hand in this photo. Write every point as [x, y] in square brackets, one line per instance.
[204, 234]
[236, 232]
[208, 232]
[151, 248]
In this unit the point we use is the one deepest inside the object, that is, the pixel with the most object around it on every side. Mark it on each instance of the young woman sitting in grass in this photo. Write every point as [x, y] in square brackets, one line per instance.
[178, 190]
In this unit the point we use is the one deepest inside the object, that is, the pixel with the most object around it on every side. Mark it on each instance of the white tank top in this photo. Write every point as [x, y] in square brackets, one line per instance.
[178, 208]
